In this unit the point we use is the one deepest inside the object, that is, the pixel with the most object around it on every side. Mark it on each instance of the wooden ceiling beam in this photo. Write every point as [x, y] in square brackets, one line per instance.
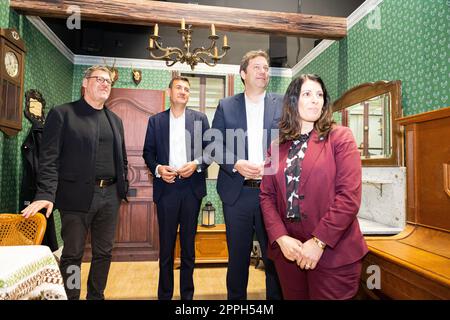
[144, 12]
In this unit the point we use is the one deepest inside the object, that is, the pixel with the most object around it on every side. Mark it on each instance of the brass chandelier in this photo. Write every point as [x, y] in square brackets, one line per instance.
[210, 56]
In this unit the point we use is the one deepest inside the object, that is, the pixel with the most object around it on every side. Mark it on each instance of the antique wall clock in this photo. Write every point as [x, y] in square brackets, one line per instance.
[12, 58]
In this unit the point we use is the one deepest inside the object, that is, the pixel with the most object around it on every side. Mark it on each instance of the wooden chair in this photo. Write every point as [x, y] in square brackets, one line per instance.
[15, 230]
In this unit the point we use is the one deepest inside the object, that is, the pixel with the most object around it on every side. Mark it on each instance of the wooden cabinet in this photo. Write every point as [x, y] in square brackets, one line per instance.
[210, 245]
[415, 264]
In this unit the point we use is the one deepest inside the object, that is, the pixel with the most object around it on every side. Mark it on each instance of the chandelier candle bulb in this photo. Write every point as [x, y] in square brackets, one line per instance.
[213, 30]
[155, 32]
[150, 44]
[225, 41]
[183, 24]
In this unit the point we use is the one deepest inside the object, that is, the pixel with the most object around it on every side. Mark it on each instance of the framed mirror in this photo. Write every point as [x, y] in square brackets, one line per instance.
[370, 110]
[34, 106]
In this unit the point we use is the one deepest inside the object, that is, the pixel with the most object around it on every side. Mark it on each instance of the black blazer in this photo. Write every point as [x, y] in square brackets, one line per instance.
[67, 156]
[156, 149]
[230, 114]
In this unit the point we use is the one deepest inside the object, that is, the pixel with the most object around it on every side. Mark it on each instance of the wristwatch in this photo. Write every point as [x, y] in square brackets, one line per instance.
[321, 244]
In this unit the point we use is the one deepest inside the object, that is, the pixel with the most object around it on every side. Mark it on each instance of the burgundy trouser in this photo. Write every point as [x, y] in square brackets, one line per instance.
[319, 284]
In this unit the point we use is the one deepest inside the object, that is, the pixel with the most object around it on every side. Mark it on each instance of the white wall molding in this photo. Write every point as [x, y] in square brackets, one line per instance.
[220, 69]
[363, 10]
[51, 36]
[314, 53]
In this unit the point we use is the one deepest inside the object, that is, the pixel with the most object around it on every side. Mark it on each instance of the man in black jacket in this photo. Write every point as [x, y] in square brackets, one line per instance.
[83, 173]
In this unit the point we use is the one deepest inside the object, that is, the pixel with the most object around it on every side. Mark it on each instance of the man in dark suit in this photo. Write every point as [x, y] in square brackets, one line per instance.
[247, 122]
[83, 173]
[173, 151]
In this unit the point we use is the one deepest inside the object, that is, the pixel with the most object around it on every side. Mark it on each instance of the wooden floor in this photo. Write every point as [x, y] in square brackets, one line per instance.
[139, 280]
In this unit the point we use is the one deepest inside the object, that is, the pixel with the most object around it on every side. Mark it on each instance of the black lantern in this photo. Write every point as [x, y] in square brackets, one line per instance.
[208, 215]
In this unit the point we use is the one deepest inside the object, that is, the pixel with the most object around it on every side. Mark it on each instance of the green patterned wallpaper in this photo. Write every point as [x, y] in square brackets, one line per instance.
[48, 71]
[4, 13]
[407, 40]
[213, 197]
[278, 84]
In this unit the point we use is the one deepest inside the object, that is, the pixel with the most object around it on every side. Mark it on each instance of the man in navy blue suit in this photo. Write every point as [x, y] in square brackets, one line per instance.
[247, 122]
[173, 151]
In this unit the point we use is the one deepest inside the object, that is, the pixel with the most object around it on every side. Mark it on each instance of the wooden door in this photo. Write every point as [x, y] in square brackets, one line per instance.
[137, 236]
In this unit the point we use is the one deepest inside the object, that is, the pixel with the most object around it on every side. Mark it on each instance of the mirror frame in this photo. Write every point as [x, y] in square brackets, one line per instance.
[34, 94]
[370, 90]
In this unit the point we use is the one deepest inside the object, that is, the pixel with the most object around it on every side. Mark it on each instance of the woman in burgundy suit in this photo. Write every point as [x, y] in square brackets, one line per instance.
[310, 196]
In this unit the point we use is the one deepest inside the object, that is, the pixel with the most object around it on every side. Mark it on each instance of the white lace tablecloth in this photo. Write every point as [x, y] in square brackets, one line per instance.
[29, 272]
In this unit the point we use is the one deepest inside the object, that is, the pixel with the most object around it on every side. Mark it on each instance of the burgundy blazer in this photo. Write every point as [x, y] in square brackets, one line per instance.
[330, 196]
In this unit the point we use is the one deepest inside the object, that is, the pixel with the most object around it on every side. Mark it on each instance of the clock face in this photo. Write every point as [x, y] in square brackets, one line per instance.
[11, 64]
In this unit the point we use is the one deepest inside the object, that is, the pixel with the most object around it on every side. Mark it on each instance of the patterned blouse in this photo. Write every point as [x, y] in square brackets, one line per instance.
[293, 172]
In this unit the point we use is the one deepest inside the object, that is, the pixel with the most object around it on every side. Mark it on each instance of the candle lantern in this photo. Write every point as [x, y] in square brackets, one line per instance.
[208, 215]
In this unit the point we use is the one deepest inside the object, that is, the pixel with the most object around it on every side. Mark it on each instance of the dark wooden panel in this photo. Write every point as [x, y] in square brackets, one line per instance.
[225, 19]
[432, 153]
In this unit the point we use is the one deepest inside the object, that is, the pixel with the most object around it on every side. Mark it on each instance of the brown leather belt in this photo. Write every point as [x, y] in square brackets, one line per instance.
[102, 183]
[252, 183]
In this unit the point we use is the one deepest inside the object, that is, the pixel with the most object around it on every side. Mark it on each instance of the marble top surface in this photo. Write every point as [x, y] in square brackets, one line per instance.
[369, 227]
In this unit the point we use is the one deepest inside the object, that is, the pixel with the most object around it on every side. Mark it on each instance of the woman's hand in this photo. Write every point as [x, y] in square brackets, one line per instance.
[310, 255]
[291, 247]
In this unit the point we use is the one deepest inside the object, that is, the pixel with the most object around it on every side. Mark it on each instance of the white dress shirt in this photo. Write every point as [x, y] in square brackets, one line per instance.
[177, 142]
[255, 128]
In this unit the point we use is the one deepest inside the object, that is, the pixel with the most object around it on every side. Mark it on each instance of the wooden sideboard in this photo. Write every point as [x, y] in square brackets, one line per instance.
[210, 245]
[415, 264]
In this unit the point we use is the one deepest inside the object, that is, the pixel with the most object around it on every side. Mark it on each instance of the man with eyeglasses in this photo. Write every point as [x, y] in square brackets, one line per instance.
[83, 173]
[173, 151]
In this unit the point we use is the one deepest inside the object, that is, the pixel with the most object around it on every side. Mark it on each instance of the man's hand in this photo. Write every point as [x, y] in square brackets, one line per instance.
[291, 247]
[249, 170]
[167, 173]
[187, 169]
[311, 254]
[36, 206]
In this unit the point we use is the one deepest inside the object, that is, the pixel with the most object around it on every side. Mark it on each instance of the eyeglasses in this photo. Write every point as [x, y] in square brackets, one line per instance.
[101, 79]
